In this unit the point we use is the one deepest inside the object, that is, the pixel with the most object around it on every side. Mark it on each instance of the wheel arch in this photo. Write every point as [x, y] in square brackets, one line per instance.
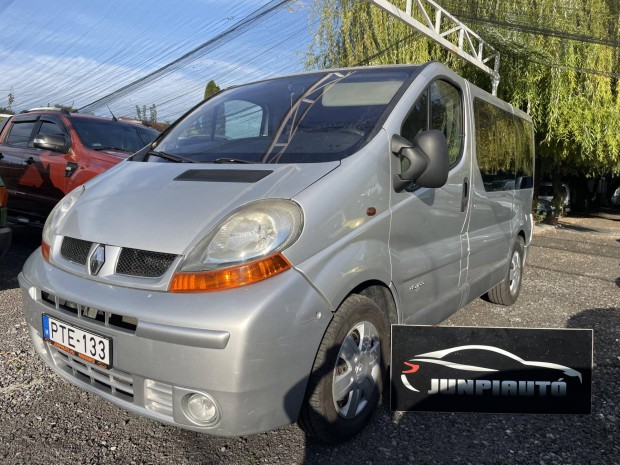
[381, 294]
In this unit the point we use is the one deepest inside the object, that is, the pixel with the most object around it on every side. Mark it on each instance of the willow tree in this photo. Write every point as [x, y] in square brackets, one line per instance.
[559, 62]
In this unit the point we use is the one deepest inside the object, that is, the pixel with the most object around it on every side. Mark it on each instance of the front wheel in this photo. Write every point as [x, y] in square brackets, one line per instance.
[348, 373]
[506, 292]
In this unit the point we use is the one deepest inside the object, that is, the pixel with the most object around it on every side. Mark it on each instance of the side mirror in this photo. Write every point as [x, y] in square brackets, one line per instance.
[53, 142]
[424, 162]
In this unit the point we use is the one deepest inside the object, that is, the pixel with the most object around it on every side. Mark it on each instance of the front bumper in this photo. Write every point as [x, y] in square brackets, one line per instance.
[251, 349]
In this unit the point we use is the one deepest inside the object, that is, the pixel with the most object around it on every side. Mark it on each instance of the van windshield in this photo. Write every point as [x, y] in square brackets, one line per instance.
[301, 119]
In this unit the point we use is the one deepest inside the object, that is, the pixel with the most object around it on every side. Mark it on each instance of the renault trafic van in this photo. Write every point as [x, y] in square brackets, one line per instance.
[242, 271]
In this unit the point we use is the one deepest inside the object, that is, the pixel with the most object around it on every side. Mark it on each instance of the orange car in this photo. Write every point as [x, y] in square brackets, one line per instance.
[45, 154]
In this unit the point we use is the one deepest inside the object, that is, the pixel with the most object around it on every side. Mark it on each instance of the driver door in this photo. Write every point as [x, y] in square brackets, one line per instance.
[428, 239]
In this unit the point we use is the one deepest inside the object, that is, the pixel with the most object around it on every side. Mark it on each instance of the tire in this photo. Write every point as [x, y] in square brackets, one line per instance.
[349, 371]
[507, 292]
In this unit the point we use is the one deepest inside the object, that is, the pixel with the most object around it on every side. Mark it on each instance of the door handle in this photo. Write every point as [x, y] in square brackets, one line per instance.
[465, 197]
[30, 161]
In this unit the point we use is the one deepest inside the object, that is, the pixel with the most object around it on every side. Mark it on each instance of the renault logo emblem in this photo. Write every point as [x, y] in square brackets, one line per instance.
[96, 261]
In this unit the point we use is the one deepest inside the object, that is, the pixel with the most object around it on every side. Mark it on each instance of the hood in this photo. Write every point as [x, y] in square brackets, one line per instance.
[166, 207]
[109, 155]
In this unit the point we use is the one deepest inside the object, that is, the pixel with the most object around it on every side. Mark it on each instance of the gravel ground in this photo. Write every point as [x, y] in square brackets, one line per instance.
[572, 280]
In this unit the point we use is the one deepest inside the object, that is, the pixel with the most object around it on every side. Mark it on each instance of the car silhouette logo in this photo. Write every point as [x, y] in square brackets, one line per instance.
[448, 359]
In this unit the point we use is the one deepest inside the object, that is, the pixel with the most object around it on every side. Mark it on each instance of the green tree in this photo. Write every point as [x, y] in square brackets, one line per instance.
[11, 99]
[142, 114]
[211, 88]
[569, 86]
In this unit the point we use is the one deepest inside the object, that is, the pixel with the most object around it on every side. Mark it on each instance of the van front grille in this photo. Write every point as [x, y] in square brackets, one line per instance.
[75, 250]
[112, 381]
[90, 314]
[143, 263]
[131, 262]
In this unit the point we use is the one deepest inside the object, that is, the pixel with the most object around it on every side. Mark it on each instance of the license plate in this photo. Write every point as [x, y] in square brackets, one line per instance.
[86, 345]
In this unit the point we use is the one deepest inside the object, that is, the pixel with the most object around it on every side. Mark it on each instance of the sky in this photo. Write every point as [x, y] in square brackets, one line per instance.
[77, 52]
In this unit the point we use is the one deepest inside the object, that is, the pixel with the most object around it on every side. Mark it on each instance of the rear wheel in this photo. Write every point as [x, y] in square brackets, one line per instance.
[507, 292]
[348, 373]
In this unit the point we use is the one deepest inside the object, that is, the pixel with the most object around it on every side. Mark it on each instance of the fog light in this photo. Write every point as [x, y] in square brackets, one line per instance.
[201, 409]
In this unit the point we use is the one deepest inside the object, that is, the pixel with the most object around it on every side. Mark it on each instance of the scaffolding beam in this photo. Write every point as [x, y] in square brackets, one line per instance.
[448, 32]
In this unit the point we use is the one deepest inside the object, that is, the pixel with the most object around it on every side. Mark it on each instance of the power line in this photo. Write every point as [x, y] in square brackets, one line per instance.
[541, 31]
[237, 29]
[576, 69]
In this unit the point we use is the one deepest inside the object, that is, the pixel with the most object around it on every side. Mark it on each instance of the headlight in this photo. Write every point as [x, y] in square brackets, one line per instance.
[55, 218]
[242, 249]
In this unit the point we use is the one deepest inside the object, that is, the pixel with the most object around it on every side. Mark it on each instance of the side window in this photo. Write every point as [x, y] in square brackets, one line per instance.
[439, 107]
[417, 120]
[524, 154]
[504, 148]
[235, 119]
[240, 120]
[50, 129]
[447, 116]
[20, 133]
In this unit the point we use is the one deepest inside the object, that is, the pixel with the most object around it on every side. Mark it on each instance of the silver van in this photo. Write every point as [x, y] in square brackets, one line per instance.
[242, 271]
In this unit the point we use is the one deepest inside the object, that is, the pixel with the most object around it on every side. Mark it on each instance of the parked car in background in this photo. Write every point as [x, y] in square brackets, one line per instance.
[5, 232]
[545, 192]
[544, 208]
[46, 153]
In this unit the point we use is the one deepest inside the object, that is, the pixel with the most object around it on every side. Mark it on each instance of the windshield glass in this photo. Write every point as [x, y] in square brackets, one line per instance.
[112, 135]
[302, 119]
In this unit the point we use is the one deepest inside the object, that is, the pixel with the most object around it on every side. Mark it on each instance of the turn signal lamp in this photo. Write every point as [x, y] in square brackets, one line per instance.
[229, 278]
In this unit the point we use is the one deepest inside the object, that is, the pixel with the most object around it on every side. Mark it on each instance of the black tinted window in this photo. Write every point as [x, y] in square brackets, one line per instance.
[545, 190]
[504, 148]
[439, 107]
[51, 129]
[20, 133]
[108, 135]
[524, 153]
[146, 135]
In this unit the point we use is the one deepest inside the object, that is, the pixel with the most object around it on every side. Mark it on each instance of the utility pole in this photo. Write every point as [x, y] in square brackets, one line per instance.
[448, 32]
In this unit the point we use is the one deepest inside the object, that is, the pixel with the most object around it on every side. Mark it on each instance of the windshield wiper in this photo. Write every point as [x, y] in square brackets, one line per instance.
[170, 157]
[231, 160]
[110, 147]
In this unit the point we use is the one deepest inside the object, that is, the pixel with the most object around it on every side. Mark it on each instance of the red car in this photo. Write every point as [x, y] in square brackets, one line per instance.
[46, 154]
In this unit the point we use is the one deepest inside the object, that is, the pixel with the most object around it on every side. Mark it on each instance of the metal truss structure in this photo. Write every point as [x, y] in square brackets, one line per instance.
[449, 32]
